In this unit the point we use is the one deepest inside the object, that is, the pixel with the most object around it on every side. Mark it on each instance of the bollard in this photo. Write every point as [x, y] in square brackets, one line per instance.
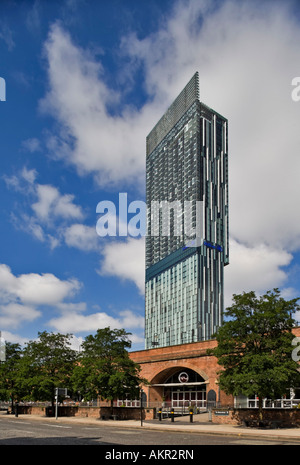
[159, 414]
[172, 415]
[191, 415]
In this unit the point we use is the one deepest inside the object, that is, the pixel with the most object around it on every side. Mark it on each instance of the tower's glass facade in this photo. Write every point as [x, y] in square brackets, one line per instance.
[187, 213]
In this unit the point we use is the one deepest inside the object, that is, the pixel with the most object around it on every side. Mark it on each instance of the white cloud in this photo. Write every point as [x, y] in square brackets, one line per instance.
[22, 299]
[81, 237]
[34, 289]
[130, 320]
[76, 342]
[21, 296]
[29, 175]
[30, 225]
[75, 322]
[13, 315]
[110, 147]
[33, 18]
[51, 209]
[14, 338]
[51, 204]
[45, 289]
[32, 145]
[23, 182]
[71, 307]
[7, 35]
[125, 260]
[256, 268]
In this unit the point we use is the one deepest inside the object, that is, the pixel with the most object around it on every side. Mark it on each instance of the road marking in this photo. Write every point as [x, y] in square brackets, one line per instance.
[57, 426]
[20, 422]
[253, 441]
[127, 432]
[27, 432]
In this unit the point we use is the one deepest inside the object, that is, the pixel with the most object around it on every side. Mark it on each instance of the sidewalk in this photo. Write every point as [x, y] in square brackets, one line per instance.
[200, 425]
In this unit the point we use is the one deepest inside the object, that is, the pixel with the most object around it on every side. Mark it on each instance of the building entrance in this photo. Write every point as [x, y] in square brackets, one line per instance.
[184, 389]
[185, 399]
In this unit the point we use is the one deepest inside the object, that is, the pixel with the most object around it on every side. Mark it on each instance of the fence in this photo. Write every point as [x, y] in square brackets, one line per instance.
[67, 403]
[278, 403]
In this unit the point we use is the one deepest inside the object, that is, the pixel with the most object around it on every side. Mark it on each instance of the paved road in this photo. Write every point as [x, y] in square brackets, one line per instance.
[23, 431]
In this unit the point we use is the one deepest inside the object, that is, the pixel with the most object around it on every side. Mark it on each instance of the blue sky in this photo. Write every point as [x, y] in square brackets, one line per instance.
[85, 83]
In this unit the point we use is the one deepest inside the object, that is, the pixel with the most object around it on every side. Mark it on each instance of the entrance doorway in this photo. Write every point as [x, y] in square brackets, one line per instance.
[184, 399]
[184, 389]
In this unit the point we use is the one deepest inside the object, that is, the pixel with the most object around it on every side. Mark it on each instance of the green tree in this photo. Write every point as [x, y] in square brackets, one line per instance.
[9, 372]
[46, 363]
[105, 368]
[255, 347]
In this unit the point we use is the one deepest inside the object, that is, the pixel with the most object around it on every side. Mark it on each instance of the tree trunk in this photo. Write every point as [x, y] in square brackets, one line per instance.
[112, 406]
[260, 408]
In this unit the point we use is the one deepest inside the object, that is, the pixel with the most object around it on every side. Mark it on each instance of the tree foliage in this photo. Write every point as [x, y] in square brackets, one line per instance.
[45, 364]
[105, 368]
[255, 346]
[9, 373]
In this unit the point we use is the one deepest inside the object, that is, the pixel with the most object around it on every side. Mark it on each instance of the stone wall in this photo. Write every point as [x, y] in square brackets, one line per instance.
[250, 417]
[121, 413]
[128, 413]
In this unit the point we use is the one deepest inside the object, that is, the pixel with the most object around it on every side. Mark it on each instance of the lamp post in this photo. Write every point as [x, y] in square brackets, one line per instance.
[56, 402]
[141, 402]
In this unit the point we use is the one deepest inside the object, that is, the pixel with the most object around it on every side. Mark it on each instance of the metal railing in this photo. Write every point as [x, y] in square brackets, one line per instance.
[127, 403]
[92, 403]
[277, 403]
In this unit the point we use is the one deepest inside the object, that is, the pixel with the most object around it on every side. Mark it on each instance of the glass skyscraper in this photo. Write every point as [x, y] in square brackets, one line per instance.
[187, 222]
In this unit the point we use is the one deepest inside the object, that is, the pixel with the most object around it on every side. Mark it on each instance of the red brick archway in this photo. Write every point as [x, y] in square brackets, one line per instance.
[163, 375]
[160, 363]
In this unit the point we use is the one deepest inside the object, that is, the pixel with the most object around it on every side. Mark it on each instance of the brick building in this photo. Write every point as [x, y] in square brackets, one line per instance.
[183, 375]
